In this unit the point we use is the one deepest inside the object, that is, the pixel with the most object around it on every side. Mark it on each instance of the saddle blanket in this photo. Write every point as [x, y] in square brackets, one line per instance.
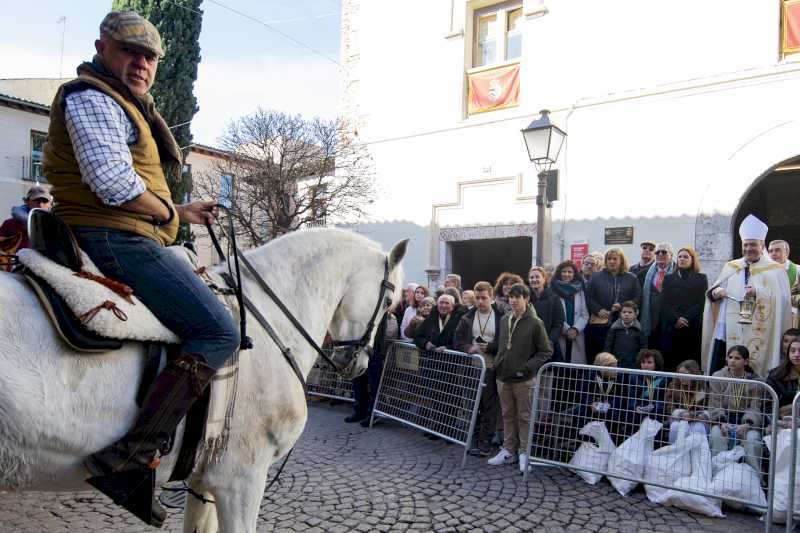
[86, 298]
[125, 318]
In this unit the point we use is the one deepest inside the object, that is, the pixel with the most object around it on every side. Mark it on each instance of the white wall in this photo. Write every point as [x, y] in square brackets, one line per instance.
[15, 152]
[672, 110]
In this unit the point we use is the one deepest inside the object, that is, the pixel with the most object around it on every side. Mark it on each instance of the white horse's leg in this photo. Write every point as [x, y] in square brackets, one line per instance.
[239, 503]
[200, 517]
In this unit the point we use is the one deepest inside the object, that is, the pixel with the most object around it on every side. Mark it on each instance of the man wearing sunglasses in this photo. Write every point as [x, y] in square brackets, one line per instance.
[647, 258]
[652, 282]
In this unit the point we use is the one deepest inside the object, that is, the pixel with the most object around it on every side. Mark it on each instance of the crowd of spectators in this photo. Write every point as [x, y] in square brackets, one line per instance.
[601, 311]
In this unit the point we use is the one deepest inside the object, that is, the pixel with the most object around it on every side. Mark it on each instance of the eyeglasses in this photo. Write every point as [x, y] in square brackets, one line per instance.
[662, 252]
[648, 247]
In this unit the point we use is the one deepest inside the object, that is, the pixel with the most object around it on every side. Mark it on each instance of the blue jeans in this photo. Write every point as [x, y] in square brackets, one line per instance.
[168, 287]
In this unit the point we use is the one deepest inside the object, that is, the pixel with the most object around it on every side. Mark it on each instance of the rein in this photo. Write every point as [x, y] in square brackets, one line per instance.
[246, 302]
[247, 343]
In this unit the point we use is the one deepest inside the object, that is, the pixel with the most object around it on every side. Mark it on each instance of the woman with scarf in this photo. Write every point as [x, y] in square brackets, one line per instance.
[682, 301]
[568, 285]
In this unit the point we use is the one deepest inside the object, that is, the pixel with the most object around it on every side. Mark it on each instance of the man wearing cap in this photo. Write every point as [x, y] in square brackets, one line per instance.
[648, 257]
[104, 155]
[14, 231]
[752, 282]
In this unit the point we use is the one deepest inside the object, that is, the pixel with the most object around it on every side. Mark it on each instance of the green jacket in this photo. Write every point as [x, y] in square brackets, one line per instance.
[530, 348]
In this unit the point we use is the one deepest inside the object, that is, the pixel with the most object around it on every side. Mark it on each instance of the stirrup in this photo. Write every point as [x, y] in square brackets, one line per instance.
[133, 490]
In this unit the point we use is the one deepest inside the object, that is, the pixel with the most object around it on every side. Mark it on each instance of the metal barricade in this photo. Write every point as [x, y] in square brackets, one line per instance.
[696, 419]
[793, 466]
[323, 381]
[436, 392]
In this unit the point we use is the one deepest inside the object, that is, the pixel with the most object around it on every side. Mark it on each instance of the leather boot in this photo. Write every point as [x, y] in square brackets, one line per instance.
[125, 470]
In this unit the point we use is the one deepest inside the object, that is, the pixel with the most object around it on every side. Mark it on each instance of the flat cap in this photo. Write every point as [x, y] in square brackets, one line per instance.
[38, 193]
[130, 27]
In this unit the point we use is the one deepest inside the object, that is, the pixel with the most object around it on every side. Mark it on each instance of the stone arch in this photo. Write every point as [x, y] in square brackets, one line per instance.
[747, 165]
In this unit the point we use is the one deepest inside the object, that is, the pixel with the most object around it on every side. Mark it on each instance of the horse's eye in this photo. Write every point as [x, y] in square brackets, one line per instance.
[387, 302]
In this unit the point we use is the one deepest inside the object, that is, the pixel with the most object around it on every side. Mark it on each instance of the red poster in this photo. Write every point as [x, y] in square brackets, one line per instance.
[577, 252]
[791, 26]
[494, 89]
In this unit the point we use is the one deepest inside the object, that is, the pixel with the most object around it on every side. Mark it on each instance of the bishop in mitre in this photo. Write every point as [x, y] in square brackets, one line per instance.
[748, 305]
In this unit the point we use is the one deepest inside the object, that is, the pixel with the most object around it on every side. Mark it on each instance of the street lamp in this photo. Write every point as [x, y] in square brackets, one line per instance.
[543, 139]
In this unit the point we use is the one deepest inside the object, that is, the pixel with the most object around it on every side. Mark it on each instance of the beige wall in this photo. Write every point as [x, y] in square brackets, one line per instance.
[204, 167]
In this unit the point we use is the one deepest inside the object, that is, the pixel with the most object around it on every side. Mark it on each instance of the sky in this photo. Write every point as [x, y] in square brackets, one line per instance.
[244, 65]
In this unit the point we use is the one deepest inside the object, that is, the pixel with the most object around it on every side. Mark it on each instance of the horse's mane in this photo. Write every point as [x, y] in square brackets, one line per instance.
[309, 245]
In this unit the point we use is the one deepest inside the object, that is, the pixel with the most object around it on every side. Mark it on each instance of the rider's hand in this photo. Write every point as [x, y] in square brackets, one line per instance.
[198, 212]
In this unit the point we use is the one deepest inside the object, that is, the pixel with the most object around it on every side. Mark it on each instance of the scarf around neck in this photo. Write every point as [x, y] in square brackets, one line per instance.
[647, 290]
[567, 291]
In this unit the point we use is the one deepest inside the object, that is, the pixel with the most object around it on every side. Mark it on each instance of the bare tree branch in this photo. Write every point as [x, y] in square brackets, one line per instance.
[289, 172]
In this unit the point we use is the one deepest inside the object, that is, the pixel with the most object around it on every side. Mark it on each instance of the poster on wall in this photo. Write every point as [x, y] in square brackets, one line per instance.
[621, 235]
[577, 251]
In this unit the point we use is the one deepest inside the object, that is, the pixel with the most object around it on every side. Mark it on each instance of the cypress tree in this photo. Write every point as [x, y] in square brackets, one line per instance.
[179, 23]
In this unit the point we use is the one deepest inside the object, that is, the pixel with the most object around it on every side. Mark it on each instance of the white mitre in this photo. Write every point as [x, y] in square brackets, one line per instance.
[753, 229]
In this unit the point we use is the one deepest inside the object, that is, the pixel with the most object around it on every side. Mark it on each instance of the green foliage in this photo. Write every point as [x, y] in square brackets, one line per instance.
[179, 26]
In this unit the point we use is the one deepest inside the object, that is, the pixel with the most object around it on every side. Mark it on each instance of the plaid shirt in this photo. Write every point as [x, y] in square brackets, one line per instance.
[101, 134]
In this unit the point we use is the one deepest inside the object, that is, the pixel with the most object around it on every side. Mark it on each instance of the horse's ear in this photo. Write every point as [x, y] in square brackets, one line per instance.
[398, 253]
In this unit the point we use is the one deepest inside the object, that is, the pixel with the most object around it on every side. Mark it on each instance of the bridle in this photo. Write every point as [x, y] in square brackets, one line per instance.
[345, 352]
[361, 343]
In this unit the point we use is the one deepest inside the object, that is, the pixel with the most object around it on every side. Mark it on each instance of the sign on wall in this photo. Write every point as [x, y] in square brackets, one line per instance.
[621, 235]
[577, 252]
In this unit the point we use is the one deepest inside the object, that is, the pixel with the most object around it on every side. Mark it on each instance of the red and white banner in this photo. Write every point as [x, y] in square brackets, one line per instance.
[790, 27]
[497, 88]
[577, 252]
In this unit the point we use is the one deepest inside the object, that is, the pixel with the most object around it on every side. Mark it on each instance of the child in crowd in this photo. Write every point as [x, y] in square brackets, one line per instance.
[788, 336]
[625, 338]
[736, 408]
[785, 379]
[686, 400]
[603, 396]
[647, 393]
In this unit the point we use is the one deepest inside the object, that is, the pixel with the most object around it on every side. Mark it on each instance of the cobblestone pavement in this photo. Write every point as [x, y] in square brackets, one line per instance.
[342, 477]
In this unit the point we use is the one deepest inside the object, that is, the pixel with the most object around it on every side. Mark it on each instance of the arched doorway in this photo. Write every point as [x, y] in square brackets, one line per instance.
[775, 199]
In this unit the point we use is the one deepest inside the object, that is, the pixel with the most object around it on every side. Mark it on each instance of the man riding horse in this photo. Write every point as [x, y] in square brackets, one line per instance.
[104, 155]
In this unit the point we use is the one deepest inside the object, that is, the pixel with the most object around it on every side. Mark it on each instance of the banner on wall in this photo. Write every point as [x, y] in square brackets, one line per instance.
[578, 251]
[494, 89]
[790, 27]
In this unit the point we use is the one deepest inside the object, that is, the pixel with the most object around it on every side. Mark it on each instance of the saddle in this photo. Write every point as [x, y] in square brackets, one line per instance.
[90, 312]
[51, 237]
[55, 257]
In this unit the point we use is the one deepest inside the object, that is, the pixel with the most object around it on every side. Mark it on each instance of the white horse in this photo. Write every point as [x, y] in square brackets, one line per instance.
[58, 406]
